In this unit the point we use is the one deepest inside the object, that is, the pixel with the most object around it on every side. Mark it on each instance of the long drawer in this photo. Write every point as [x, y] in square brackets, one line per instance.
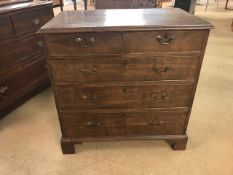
[136, 123]
[31, 21]
[165, 41]
[85, 44]
[20, 77]
[123, 95]
[18, 49]
[124, 69]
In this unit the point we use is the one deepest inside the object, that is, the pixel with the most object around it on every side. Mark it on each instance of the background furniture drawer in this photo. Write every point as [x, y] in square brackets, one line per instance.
[5, 28]
[120, 95]
[13, 52]
[124, 69]
[31, 21]
[165, 41]
[139, 122]
[11, 83]
[85, 43]
[35, 68]
[27, 73]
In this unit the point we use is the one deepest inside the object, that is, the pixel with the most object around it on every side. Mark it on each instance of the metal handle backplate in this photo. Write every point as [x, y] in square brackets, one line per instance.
[36, 21]
[155, 123]
[89, 99]
[85, 42]
[94, 124]
[165, 40]
[163, 69]
[159, 96]
[40, 44]
[3, 89]
[89, 71]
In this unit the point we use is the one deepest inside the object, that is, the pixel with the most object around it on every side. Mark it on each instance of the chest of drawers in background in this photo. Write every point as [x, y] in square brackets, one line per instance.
[23, 68]
[131, 78]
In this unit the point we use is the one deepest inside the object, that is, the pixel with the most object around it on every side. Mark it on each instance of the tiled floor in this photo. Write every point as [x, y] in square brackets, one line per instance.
[29, 136]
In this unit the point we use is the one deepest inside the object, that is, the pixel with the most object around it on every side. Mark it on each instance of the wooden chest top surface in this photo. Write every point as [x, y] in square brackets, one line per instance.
[123, 20]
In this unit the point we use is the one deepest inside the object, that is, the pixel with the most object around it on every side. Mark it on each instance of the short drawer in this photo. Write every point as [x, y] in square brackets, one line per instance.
[85, 44]
[165, 41]
[31, 21]
[5, 27]
[124, 69]
[142, 122]
[21, 77]
[18, 49]
[120, 95]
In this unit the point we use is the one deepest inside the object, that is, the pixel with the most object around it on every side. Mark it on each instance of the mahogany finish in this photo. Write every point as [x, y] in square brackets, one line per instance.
[23, 69]
[116, 79]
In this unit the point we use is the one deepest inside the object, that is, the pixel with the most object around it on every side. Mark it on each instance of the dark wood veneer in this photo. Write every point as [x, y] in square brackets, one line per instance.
[125, 74]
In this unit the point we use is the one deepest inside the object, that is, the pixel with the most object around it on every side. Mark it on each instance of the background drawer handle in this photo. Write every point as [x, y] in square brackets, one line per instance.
[94, 124]
[36, 21]
[90, 99]
[89, 71]
[165, 69]
[159, 96]
[166, 40]
[156, 123]
[40, 44]
[3, 89]
[86, 42]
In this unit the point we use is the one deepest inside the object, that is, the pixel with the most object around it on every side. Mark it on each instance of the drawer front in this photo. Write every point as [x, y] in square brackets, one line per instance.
[22, 76]
[144, 95]
[164, 41]
[112, 4]
[85, 44]
[11, 83]
[35, 68]
[31, 21]
[5, 27]
[17, 50]
[144, 122]
[124, 69]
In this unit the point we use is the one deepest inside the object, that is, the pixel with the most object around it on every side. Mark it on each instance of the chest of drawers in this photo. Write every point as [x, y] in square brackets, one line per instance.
[130, 78]
[23, 68]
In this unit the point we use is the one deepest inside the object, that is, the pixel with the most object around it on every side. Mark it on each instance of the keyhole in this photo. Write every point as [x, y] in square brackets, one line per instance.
[124, 90]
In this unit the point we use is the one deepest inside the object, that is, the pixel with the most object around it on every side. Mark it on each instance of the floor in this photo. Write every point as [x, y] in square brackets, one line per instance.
[29, 136]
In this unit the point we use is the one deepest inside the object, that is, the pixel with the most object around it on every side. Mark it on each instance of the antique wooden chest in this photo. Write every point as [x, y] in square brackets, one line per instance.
[23, 68]
[125, 74]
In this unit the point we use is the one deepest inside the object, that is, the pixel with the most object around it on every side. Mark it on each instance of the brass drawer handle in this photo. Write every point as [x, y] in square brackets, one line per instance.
[166, 40]
[86, 42]
[40, 44]
[156, 123]
[3, 89]
[89, 71]
[165, 69]
[94, 124]
[78, 40]
[159, 96]
[90, 99]
[36, 21]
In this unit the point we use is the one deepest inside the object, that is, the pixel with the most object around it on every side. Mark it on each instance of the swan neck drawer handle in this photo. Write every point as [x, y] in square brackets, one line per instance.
[166, 40]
